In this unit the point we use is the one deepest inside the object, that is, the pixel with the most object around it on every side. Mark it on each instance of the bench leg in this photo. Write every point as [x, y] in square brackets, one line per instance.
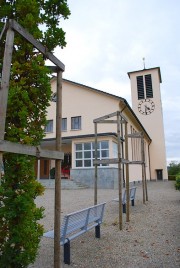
[97, 231]
[67, 253]
[124, 208]
[132, 202]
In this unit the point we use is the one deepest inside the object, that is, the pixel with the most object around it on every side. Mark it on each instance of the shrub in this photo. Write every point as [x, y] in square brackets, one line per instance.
[20, 230]
[177, 184]
[171, 177]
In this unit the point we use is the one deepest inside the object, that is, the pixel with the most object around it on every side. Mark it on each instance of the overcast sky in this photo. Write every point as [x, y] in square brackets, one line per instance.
[106, 39]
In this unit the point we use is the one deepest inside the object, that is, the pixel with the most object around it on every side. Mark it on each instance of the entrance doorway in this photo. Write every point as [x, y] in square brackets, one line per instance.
[44, 169]
[66, 166]
[159, 173]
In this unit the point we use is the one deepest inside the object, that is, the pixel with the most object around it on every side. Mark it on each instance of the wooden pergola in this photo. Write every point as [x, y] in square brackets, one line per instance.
[10, 27]
[122, 137]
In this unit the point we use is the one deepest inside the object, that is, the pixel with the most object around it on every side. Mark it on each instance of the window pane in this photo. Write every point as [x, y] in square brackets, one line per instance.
[97, 154]
[115, 150]
[87, 146]
[105, 153]
[64, 124]
[78, 163]
[97, 145]
[87, 163]
[87, 154]
[49, 126]
[104, 145]
[79, 147]
[76, 122]
[78, 155]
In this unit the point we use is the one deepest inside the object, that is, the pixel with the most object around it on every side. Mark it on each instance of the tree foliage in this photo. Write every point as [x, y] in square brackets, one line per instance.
[174, 168]
[28, 99]
[177, 183]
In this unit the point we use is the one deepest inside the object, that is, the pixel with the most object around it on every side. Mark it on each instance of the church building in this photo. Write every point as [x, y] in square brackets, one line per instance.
[82, 105]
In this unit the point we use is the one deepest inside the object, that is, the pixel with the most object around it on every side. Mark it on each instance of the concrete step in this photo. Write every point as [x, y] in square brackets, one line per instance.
[66, 184]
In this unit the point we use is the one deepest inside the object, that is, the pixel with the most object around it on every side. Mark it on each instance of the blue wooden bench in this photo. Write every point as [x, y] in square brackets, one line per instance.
[78, 223]
[132, 193]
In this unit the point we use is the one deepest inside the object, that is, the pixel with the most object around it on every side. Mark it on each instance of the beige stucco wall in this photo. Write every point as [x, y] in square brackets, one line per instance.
[85, 103]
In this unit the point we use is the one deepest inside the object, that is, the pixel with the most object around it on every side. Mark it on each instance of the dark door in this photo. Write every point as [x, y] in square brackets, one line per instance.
[159, 173]
[44, 169]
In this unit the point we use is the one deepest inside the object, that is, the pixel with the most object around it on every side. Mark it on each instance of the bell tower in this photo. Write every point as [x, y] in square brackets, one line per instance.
[146, 103]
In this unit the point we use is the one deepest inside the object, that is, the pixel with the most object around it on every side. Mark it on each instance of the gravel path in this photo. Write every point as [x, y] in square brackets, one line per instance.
[150, 240]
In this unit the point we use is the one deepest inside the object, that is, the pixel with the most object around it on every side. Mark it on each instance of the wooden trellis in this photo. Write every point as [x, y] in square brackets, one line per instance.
[121, 132]
[5, 146]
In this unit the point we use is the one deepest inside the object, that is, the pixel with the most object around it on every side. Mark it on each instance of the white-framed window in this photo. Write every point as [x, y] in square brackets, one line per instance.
[85, 153]
[76, 122]
[49, 126]
[64, 124]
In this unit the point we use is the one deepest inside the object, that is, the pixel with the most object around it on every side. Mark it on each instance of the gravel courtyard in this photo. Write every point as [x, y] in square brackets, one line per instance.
[150, 240]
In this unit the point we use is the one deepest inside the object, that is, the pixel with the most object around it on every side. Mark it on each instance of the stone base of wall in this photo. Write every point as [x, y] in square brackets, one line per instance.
[107, 177]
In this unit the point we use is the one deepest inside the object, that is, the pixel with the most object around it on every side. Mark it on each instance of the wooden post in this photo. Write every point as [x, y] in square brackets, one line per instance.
[145, 182]
[38, 169]
[143, 171]
[95, 178]
[57, 212]
[127, 174]
[119, 171]
[144, 164]
[5, 85]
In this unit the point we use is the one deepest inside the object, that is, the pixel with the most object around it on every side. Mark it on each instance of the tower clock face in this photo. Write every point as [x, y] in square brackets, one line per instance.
[146, 106]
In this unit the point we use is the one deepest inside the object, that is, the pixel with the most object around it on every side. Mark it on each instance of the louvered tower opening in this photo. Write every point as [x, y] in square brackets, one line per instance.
[140, 87]
[148, 83]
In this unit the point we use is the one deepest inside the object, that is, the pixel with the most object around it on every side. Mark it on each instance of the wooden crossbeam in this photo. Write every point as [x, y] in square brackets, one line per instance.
[136, 162]
[111, 121]
[18, 28]
[135, 135]
[110, 161]
[102, 119]
[11, 147]
[97, 120]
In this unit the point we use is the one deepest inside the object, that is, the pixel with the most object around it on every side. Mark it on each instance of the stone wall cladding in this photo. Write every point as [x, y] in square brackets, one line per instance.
[107, 177]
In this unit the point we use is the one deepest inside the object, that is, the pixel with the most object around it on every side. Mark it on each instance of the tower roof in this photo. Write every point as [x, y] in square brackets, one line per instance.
[149, 69]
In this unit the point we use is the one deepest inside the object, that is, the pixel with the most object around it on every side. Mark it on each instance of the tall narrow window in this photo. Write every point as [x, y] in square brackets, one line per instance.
[49, 126]
[140, 87]
[148, 83]
[76, 122]
[64, 124]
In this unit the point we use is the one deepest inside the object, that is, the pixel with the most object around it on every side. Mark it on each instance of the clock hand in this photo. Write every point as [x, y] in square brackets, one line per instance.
[146, 109]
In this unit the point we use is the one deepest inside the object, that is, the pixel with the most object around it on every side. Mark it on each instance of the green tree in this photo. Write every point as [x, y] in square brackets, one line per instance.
[173, 168]
[29, 96]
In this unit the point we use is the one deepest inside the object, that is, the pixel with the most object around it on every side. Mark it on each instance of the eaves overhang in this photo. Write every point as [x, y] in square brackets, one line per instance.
[149, 69]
